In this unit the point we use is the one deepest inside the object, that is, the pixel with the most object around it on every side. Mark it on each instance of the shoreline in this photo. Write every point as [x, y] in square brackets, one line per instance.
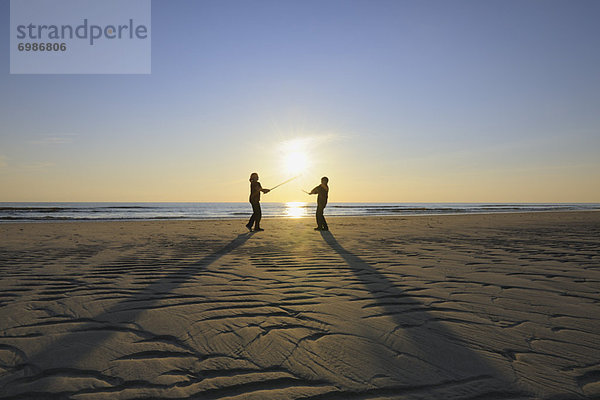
[332, 217]
[57, 212]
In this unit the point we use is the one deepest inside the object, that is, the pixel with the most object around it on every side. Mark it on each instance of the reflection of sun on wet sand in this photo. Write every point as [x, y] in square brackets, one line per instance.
[477, 306]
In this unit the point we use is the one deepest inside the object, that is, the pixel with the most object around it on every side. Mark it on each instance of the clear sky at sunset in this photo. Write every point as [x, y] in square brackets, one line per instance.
[395, 101]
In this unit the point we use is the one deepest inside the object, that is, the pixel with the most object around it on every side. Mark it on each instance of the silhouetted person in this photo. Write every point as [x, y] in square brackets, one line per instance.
[255, 189]
[322, 192]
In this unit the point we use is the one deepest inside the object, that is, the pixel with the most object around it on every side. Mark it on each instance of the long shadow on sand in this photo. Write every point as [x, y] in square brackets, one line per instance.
[34, 368]
[450, 366]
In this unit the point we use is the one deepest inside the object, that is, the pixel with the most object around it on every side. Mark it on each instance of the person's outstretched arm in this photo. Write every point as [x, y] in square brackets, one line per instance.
[260, 188]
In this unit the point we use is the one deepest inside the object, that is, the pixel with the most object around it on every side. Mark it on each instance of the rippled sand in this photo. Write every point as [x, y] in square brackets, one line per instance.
[502, 306]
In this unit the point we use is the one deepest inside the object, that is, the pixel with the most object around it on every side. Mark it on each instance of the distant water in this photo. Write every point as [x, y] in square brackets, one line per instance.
[180, 211]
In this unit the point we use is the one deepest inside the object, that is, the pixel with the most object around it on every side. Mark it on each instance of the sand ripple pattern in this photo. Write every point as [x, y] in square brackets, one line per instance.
[455, 307]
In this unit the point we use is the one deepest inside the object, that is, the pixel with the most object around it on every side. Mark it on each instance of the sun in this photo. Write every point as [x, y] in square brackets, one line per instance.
[294, 157]
[295, 163]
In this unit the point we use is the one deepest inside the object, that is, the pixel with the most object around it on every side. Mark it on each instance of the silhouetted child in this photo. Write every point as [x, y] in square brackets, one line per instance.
[255, 189]
[322, 192]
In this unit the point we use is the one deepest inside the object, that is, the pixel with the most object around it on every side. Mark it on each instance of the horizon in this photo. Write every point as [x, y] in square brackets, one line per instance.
[396, 102]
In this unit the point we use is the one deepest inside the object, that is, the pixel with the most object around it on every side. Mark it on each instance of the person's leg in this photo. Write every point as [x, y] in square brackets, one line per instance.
[252, 218]
[258, 212]
[317, 218]
[319, 215]
[323, 222]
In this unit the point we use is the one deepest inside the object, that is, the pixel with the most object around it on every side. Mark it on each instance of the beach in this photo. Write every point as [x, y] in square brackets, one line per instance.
[485, 306]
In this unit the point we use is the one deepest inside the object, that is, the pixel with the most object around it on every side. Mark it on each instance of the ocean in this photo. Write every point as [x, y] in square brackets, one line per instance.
[30, 212]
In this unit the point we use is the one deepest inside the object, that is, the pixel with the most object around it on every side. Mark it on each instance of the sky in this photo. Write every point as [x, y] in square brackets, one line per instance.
[394, 101]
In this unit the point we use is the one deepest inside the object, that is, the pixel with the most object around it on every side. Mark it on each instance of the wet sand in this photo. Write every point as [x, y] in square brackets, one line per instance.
[496, 306]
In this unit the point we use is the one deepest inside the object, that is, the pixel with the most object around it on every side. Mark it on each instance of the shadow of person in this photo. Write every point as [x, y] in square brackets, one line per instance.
[65, 353]
[431, 356]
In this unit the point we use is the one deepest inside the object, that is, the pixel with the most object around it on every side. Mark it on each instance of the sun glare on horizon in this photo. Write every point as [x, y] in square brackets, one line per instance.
[296, 209]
